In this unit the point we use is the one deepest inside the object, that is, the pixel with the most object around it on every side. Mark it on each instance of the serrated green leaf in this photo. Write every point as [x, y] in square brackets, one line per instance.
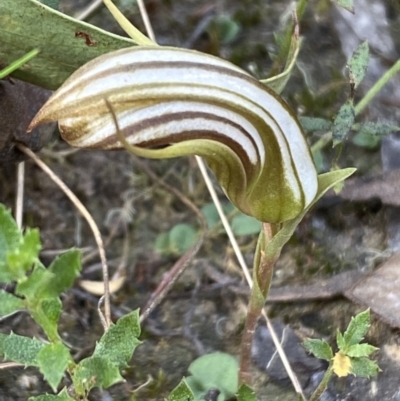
[119, 342]
[343, 122]
[243, 224]
[346, 4]
[61, 396]
[53, 360]
[364, 367]
[181, 392]
[319, 348]
[95, 371]
[245, 393]
[361, 350]
[25, 255]
[9, 303]
[216, 370]
[358, 64]
[46, 314]
[20, 349]
[356, 329]
[311, 124]
[10, 235]
[25, 24]
[65, 269]
[340, 340]
[34, 285]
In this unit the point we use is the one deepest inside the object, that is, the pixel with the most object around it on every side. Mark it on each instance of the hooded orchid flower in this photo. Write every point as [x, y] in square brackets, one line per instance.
[173, 102]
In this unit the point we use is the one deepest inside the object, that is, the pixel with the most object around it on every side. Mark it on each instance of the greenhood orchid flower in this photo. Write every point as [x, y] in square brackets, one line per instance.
[173, 102]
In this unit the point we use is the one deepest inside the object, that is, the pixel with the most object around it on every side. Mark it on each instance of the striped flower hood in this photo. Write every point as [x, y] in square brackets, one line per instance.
[176, 102]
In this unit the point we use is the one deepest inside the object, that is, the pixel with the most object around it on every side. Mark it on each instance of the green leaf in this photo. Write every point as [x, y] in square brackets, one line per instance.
[21, 259]
[20, 349]
[343, 122]
[211, 215]
[245, 393]
[340, 340]
[27, 23]
[366, 140]
[181, 392]
[278, 82]
[311, 124]
[245, 225]
[46, 314]
[177, 241]
[216, 370]
[357, 329]
[95, 371]
[319, 348]
[62, 396]
[65, 269]
[9, 303]
[360, 350]
[377, 129]
[10, 235]
[35, 285]
[347, 4]
[358, 64]
[53, 360]
[364, 367]
[225, 27]
[119, 342]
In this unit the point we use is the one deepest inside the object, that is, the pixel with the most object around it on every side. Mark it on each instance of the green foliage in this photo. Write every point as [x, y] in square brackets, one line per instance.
[177, 241]
[245, 225]
[214, 371]
[61, 396]
[39, 290]
[358, 64]
[245, 393]
[319, 348]
[311, 124]
[211, 215]
[224, 28]
[63, 52]
[352, 357]
[343, 122]
[51, 3]
[181, 392]
[53, 360]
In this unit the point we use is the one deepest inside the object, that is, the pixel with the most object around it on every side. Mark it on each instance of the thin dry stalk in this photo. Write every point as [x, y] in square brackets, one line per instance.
[19, 201]
[93, 6]
[92, 224]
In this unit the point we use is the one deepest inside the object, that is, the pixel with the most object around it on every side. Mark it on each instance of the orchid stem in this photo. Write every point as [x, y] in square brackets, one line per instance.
[263, 271]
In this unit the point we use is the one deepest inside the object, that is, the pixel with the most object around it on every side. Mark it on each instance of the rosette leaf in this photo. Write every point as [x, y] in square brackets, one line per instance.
[172, 102]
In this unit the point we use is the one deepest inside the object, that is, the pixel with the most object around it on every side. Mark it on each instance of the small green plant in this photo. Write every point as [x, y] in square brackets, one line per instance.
[38, 292]
[351, 357]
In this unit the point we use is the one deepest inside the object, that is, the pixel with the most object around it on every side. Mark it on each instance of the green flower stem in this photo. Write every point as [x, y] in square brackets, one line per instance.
[324, 383]
[263, 271]
[18, 63]
[377, 87]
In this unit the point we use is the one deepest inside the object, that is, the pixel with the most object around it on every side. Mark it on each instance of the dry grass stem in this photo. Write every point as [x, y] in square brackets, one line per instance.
[19, 201]
[92, 224]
